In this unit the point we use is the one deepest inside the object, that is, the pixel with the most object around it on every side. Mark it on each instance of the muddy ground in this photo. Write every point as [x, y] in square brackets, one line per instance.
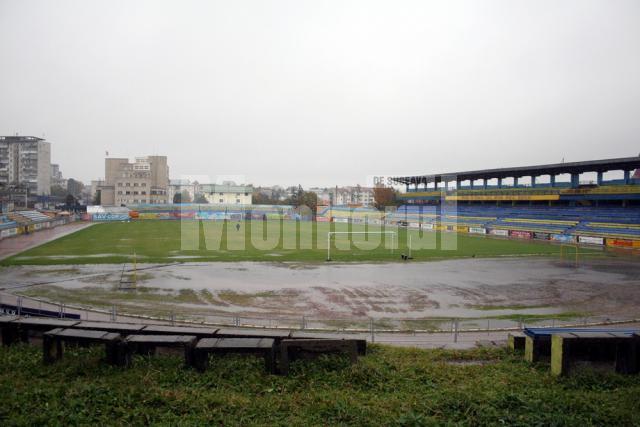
[453, 288]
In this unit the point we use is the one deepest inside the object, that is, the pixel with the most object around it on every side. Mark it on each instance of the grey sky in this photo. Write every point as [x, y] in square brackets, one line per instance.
[322, 92]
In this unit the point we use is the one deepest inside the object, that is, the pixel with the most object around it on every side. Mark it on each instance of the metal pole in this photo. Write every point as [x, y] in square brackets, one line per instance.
[113, 313]
[455, 331]
[329, 246]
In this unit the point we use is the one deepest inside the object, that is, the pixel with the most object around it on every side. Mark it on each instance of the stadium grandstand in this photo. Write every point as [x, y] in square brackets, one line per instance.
[506, 185]
[574, 211]
[28, 221]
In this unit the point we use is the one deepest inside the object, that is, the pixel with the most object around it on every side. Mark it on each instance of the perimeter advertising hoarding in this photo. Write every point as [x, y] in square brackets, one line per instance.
[520, 234]
[497, 232]
[623, 243]
[427, 226]
[8, 232]
[110, 217]
[541, 236]
[564, 238]
[591, 240]
[477, 230]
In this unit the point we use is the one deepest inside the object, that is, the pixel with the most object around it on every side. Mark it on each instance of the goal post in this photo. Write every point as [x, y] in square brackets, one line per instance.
[393, 234]
[564, 250]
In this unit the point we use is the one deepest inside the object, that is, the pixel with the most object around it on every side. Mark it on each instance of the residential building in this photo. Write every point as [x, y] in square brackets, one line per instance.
[357, 195]
[26, 161]
[226, 194]
[56, 177]
[146, 180]
[177, 186]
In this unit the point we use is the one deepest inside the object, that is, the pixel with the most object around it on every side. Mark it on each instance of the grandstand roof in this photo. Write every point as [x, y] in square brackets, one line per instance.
[604, 165]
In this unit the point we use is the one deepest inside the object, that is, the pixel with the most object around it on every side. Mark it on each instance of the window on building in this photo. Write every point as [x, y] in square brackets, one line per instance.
[127, 192]
[119, 192]
[135, 184]
[144, 184]
[143, 192]
[237, 200]
[221, 200]
[128, 184]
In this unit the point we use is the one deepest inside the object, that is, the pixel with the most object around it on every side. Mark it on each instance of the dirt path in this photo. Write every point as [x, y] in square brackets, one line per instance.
[15, 245]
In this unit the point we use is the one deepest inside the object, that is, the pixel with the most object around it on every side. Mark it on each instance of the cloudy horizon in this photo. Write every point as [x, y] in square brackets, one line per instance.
[322, 94]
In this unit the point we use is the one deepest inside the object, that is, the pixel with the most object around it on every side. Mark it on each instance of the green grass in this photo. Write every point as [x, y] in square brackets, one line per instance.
[388, 387]
[157, 241]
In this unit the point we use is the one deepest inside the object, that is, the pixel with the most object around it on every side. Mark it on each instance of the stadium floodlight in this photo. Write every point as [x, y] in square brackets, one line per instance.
[394, 238]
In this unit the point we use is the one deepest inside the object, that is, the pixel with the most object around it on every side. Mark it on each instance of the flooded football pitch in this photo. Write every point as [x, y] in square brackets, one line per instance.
[452, 288]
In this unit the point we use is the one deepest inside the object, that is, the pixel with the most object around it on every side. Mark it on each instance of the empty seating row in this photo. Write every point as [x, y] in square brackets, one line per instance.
[122, 340]
[566, 348]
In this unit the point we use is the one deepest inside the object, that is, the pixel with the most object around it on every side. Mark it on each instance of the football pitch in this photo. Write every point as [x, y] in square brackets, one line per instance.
[155, 241]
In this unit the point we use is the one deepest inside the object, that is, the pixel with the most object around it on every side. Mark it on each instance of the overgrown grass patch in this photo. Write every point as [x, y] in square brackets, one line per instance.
[389, 386]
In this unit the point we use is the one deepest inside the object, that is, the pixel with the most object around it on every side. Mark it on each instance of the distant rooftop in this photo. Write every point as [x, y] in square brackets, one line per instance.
[20, 138]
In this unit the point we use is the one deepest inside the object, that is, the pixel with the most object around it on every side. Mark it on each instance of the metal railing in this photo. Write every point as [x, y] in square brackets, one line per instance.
[449, 329]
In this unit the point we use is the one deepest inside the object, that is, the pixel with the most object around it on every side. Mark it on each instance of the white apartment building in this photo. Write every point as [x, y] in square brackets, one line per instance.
[363, 196]
[26, 160]
[226, 194]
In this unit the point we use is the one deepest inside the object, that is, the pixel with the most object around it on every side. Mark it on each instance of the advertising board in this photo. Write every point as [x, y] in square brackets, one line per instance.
[477, 230]
[591, 240]
[520, 234]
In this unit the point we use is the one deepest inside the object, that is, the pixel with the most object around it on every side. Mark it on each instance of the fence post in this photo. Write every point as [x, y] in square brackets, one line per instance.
[172, 317]
[114, 313]
[372, 327]
[455, 330]
[303, 324]
[488, 326]
[19, 306]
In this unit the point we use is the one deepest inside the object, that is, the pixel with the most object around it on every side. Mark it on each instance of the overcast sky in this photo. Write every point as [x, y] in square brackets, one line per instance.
[322, 92]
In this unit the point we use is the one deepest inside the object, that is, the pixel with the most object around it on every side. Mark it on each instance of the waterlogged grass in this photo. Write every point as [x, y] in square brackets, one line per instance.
[158, 241]
[388, 387]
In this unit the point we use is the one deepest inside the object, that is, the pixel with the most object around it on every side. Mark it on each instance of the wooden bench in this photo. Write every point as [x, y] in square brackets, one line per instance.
[118, 327]
[264, 347]
[360, 342]
[198, 332]
[538, 340]
[147, 344]
[291, 349]
[23, 328]
[83, 337]
[276, 335]
[613, 349]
